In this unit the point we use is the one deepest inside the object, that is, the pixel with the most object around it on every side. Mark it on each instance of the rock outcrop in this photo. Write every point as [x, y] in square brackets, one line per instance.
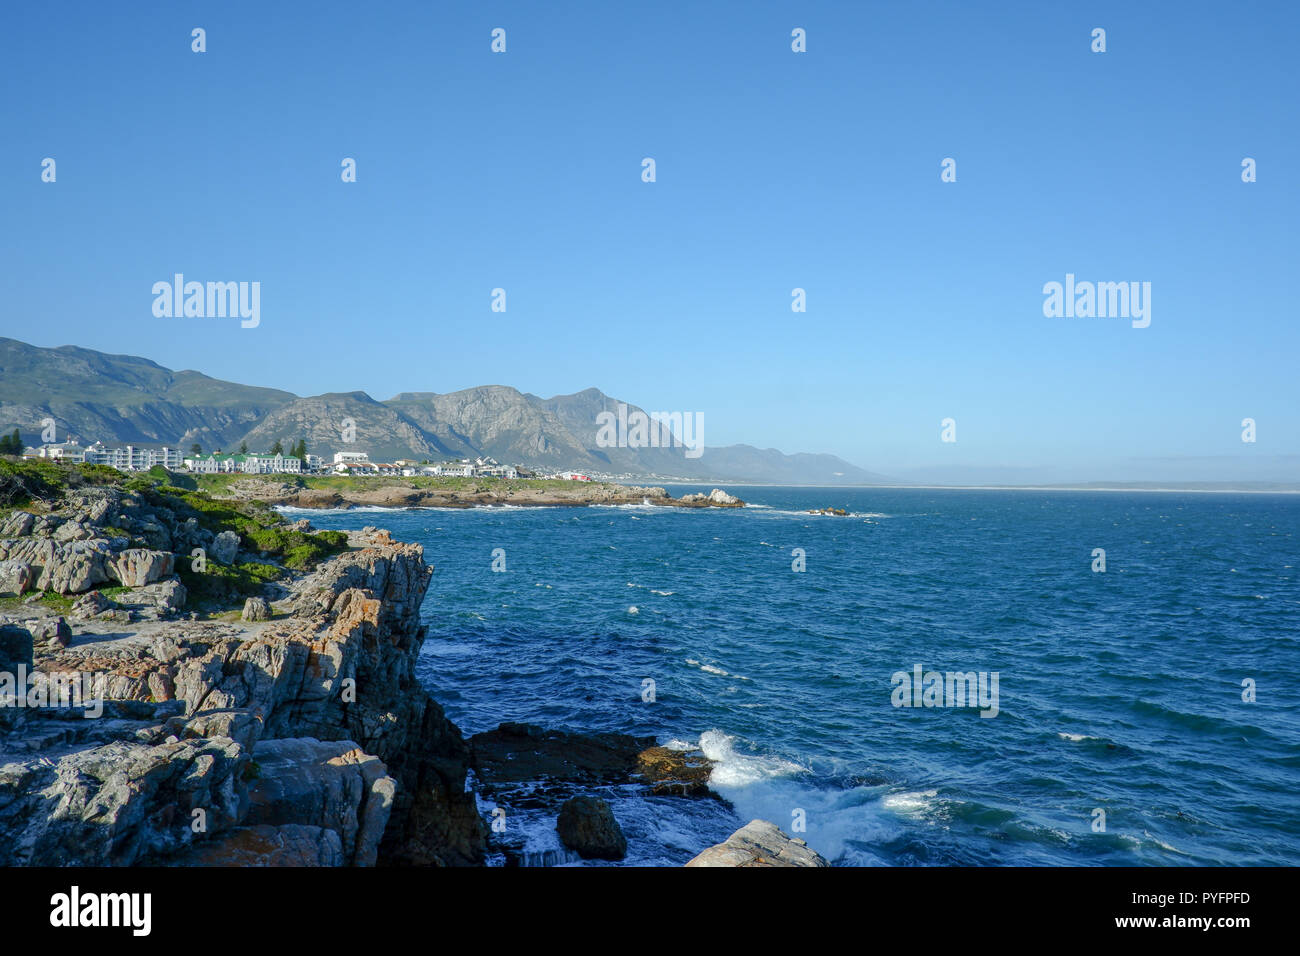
[759, 843]
[306, 739]
[587, 826]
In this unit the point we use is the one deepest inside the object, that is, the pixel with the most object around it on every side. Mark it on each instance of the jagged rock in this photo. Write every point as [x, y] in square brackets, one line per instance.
[137, 567]
[289, 845]
[184, 706]
[66, 568]
[118, 803]
[303, 525]
[256, 609]
[715, 497]
[516, 753]
[759, 843]
[165, 595]
[331, 784]
[225, 547]
[15, 577]
[73, 531]
[50, 632]
[90, 604]
[675, 773]
[17, 524]
[587, 825]
[46, 525]
[154, 534]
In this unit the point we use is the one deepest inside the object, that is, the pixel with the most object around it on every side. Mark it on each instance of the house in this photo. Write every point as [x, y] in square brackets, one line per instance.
[351, 458]
[454, 469]
[62, 451]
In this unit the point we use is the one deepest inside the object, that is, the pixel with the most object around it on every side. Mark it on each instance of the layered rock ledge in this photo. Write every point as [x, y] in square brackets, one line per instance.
[305, 739]
[759, 843]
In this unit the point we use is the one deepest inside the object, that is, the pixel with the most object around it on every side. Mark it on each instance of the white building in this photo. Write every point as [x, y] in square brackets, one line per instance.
[219, 464]
[454, 469]
[351, 458]
[133, 457]
[270, 464]
[62, 451]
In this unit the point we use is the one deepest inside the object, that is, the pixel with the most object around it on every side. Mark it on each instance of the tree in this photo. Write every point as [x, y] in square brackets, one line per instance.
[243, 448]
[277, 448]
[196, 449]
[11, 444]
[299, 450]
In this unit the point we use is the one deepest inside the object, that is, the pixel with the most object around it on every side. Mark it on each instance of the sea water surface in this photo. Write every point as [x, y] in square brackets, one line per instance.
[1120, 692]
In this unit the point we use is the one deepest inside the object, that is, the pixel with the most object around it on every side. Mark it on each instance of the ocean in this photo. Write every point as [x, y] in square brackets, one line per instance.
[1146, 714]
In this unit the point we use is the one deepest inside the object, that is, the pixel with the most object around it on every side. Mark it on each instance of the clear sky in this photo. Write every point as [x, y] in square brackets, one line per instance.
[775, 170]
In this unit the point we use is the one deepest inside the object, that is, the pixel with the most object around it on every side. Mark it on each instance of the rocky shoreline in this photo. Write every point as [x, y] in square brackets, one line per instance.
[395, 493]
[134, 731]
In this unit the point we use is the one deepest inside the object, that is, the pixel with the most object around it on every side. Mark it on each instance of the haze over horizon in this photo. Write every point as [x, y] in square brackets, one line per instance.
[774, 171]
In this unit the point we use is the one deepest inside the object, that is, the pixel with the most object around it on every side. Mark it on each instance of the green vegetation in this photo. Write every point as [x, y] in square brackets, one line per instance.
[11, 444]
[219, 484]
[260, 527]
[58, 603]
[219, 586]
[23, 481]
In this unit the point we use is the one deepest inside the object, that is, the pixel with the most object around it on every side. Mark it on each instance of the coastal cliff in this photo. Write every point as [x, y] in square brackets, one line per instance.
[144, 719]
[134, 731]
[303, 740]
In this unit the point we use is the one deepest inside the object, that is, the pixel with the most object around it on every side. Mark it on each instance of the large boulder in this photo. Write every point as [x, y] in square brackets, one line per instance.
[137, 567]
[15, 647]
[15, 578]
[52, 633]
[759, 843]
[587, 825]
[118, 803]
[17, 524]
[165, 595]
[90, 604]
[330, 784]
[66, 568]
[256, 609]
[225, 547]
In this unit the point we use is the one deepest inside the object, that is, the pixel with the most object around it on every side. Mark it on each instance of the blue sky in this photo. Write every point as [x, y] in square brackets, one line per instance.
[775, 170]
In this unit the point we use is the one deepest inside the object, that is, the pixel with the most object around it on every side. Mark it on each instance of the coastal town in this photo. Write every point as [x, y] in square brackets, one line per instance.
[131, 458]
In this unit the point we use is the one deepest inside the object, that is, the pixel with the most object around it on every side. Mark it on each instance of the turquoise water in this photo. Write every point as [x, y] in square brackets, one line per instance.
[1118, 691]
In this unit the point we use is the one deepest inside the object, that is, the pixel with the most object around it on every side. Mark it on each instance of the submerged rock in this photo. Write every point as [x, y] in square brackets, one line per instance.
[675, 773]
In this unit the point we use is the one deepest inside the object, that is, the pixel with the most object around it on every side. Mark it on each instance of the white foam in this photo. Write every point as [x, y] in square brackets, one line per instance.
[914, 803]
[834, 822]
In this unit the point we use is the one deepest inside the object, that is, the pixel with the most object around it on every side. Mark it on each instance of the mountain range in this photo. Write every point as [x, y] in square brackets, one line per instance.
[120, 398]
